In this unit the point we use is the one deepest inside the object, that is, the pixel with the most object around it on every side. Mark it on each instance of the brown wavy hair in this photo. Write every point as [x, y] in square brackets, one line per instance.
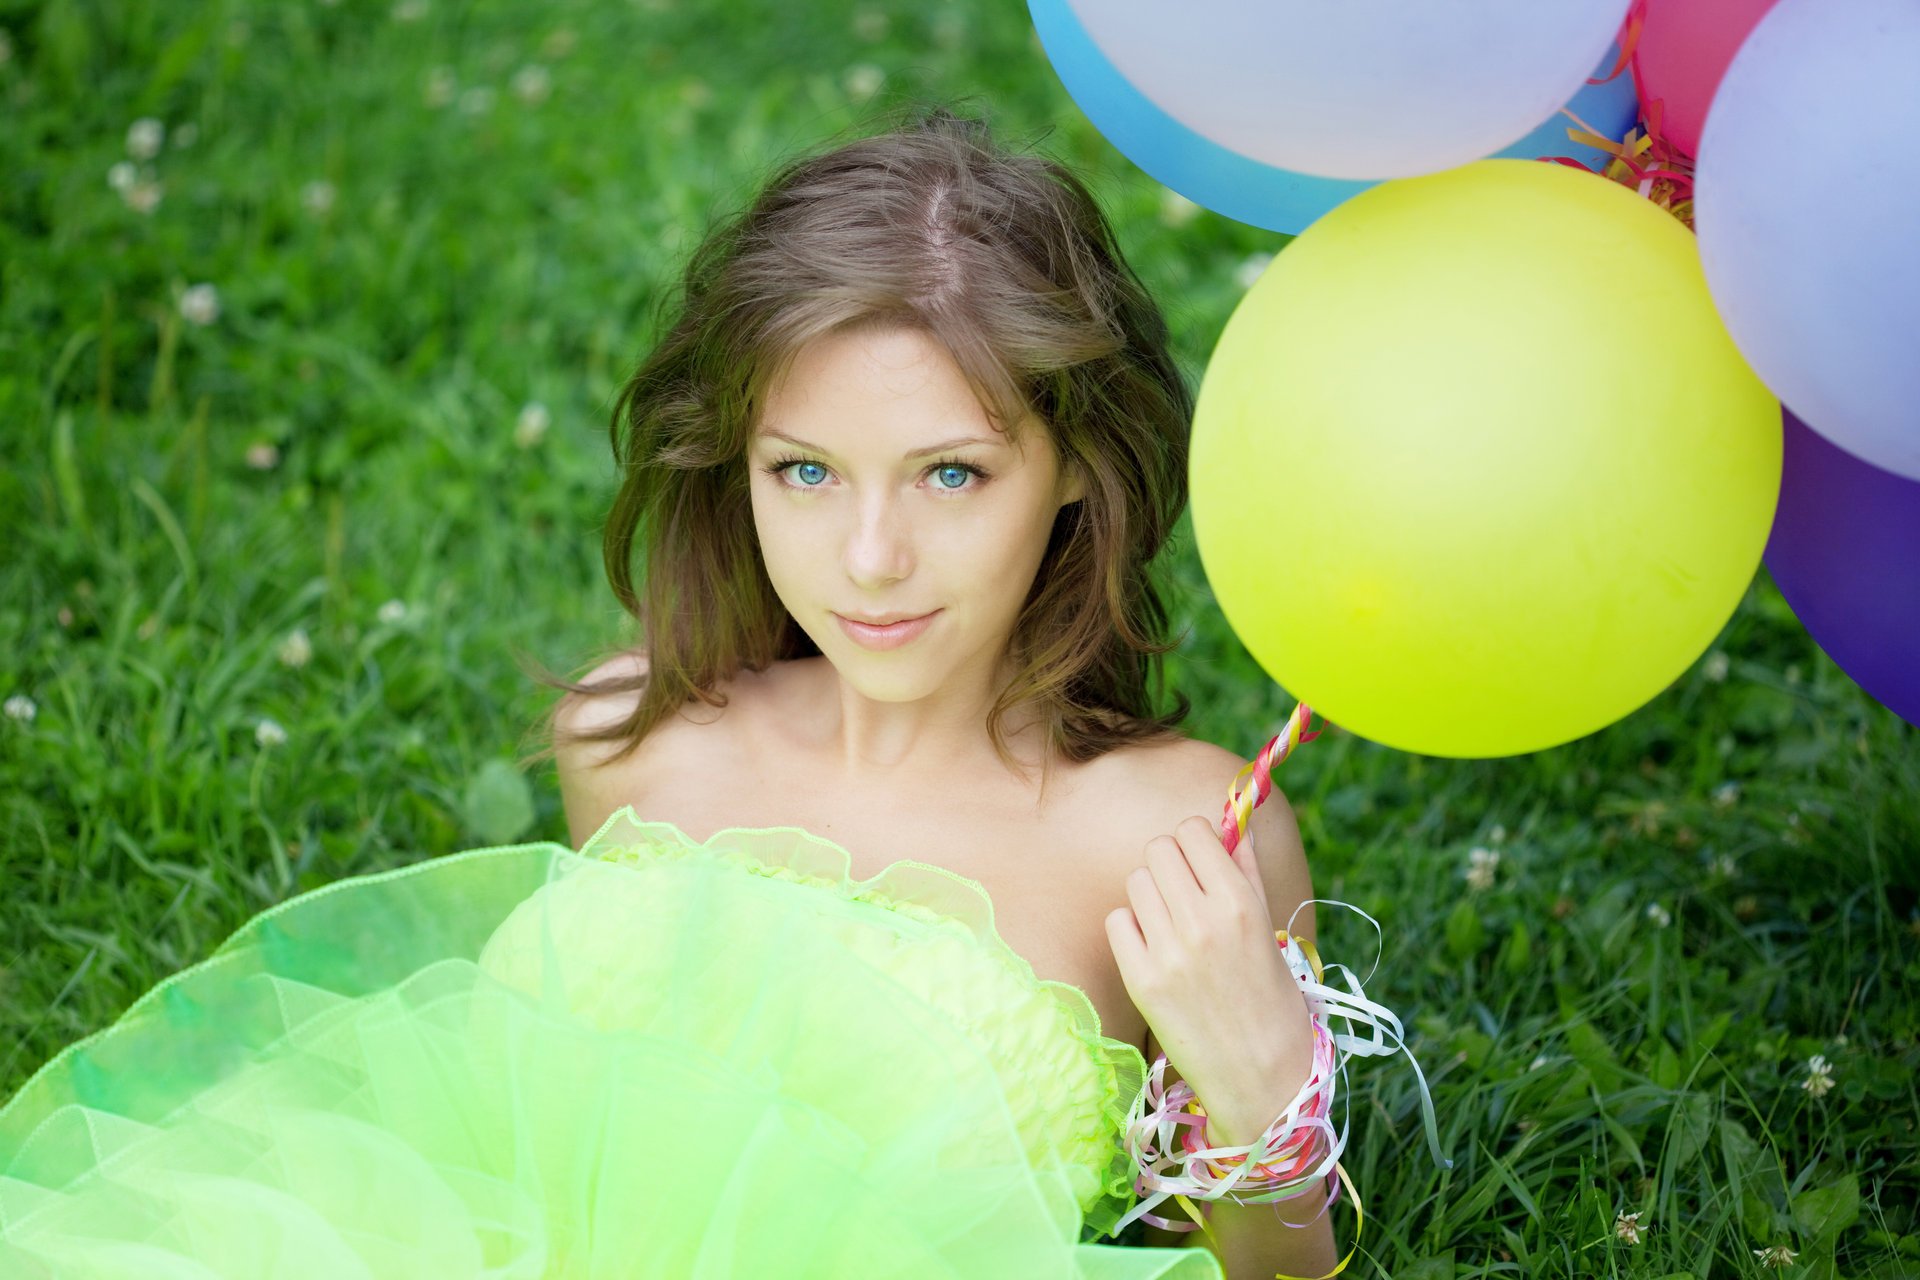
[1006, 259]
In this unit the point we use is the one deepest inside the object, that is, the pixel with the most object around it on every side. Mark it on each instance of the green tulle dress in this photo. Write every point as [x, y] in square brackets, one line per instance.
[654, 1057]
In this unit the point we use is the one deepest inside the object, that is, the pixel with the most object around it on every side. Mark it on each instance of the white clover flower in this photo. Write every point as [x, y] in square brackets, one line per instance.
[1658, 914]
[532, 424]
[1715, 667]
[1793, 673]
[1498, 835]
[440, 87]
[870, 24]
[263, 455]
[863, 80]
[1726, 866]
[1627, 1227]
[1819, 1076]
[144, 137]
[122, 176]
[318, 197]
[1175, 209]
[143, 197]
[1724, 744]
[186, 135]
[21, 707]
[6, 47]
[268, 733]
[296, 650]
[1726, 795]
[1777, 1256]
[532, 84]
[1251, 268]
[1539, 1061]
[477, 101]
[559, 43]
[393, 611]
[1480, 866]
[200, 304]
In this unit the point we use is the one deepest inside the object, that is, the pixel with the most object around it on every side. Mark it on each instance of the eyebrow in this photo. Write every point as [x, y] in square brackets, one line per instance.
[942, 447]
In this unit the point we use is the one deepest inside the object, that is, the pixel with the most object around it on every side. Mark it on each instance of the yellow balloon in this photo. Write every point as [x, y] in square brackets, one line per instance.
[1476, 469]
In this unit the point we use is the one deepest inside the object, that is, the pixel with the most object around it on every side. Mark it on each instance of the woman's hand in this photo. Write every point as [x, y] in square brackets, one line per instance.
[1197, 953]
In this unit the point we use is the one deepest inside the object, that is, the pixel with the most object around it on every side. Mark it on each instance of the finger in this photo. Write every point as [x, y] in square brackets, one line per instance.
[1214, 869]
[1243, 865]
[1250, 866]
[1149, 908]
[1128, 946]
[1186, 902]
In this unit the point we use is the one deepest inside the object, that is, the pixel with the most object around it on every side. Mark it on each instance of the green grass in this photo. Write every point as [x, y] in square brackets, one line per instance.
[1586, 1060]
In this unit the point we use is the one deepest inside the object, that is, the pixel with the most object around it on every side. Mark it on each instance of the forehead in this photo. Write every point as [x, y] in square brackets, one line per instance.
[851, 368]
[853, 382]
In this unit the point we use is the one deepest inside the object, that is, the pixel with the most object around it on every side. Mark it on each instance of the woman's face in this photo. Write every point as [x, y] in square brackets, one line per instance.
[896, 497]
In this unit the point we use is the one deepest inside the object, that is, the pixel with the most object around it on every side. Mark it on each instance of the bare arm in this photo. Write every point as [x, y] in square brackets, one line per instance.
[1253, 1242]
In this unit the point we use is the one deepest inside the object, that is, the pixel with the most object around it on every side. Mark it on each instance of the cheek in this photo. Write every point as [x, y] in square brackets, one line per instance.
[775, 536]
[999, 562]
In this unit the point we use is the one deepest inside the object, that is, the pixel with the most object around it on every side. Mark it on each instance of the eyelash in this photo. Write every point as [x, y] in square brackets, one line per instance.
[777, 469]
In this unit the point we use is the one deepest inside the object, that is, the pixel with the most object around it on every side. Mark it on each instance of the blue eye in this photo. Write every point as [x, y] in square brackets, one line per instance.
[964, 470]
[813, 474]
[780, 467]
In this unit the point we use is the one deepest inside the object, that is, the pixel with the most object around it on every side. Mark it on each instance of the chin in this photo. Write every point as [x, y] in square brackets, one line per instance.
[902, 683]
[885, 676]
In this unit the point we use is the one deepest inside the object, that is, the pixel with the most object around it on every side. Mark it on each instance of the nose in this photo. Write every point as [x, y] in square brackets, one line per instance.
[879, 547]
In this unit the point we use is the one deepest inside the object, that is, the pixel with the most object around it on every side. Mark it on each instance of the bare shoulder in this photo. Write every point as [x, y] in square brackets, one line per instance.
[1175, 780]
[581, 713]
[669, 773]
[588, 713]
[596, 781]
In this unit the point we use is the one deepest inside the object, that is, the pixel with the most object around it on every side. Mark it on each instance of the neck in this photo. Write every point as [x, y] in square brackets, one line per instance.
[929, 741]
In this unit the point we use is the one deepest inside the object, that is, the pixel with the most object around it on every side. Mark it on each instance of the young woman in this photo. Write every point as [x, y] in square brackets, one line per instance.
[917, 384]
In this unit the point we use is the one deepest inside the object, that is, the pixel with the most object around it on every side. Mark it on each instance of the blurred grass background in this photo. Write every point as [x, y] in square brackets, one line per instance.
[304, 386]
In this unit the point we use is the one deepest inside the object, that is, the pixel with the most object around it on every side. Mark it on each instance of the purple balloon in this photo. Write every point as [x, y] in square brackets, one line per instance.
[1845, 552]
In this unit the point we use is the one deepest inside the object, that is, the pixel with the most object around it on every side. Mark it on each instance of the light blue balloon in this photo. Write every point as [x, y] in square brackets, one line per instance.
[1805, 198]
[1244, 189]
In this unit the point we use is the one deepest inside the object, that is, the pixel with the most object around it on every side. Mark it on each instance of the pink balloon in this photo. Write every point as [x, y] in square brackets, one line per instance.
[1683, 51]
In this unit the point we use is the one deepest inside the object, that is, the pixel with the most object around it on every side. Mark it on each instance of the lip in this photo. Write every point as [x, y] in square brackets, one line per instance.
[891, 636]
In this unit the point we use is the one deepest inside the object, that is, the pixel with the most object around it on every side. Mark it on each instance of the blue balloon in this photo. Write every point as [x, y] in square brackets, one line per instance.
[1244, 189]
[1845, 552]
